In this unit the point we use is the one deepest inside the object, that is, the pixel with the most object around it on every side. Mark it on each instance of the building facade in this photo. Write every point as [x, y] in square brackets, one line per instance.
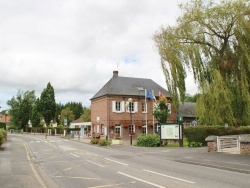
[112, 114]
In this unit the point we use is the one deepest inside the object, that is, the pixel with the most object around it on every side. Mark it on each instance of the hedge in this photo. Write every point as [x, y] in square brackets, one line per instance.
[200, 133]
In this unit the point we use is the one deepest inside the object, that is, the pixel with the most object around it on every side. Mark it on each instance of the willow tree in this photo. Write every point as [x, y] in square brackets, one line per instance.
[211, 41]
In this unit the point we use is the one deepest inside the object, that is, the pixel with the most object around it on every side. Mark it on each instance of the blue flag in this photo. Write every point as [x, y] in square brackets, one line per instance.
[149, 95]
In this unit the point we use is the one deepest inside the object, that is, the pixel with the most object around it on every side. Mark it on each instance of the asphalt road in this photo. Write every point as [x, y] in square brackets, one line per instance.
[33, 161]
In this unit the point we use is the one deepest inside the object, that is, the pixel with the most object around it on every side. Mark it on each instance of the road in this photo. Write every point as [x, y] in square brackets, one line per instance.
[33, 161]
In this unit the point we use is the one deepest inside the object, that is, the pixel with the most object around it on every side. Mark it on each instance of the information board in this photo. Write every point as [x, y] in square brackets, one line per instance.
[169, 131]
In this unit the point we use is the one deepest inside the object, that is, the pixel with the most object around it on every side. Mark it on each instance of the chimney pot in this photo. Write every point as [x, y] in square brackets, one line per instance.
[115, 73]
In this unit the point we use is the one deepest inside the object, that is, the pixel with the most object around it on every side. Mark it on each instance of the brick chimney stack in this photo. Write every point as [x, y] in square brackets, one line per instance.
[115, 73]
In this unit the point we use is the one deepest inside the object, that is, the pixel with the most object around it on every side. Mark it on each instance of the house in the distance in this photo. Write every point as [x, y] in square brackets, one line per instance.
[187, 111]
[111, 116]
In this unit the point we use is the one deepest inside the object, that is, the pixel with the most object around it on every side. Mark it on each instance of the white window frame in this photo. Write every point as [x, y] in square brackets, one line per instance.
[134, 109]
[114, 105]
[169, 108]
[145, 109]
[133, 128]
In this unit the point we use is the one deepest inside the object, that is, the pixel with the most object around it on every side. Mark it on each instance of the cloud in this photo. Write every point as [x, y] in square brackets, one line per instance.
[75, 45]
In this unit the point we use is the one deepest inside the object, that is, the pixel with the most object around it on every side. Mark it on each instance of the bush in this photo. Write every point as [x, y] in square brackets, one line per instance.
[194, 144]
[149, 140]
[3, 136]
[94, 141]
[103, 142]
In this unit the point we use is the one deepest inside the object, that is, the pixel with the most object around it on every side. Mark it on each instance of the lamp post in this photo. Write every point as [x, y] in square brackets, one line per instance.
[6, 115]
[129, 106]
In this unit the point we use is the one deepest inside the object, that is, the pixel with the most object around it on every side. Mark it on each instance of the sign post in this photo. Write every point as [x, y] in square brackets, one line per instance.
[180, 122]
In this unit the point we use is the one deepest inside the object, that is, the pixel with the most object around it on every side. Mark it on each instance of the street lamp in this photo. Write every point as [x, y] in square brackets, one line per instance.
[129, 106]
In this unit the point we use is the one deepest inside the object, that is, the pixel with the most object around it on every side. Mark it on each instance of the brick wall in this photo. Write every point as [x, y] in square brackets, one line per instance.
[102, 108]
[211, 146]
[245, 147]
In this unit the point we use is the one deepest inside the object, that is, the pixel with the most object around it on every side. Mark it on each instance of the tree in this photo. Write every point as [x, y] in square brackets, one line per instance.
[67, 114]
[161, 111]
[211, 40]
[20, 108]
[47, 105]
[86, 116]
[77, 108]
[35, 117]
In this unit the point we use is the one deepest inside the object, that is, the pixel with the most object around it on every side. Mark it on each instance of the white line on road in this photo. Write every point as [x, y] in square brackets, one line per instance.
[144, 181]
[95, 163]
[67, 169]
[116, 161]
[168, 176]
[74, 155]
[92, 154]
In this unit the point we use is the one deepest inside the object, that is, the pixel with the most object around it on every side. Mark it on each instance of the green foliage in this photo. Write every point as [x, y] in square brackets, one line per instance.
[94, 141]
[86, 116]
[47, 104]
[20, 108]
[161, 111]
[148, 140]
[211, 41]
[194, 144]
[2, 125]
[35, 117]
[103, 142]
[67, 114]
[198, 134]
[3, 136]
[76, 108]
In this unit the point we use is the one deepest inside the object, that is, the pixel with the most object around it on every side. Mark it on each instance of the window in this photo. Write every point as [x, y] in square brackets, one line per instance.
[169, 107]
[144, 107]
[118, 106]
[118, 129]
[144, 129]
[133, 106]
[131, 129]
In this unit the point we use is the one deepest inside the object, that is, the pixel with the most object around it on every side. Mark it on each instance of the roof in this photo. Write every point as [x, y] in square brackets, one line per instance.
[187, 109]
[129, 86]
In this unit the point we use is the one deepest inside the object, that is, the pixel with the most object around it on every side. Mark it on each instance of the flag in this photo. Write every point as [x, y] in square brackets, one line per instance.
[149, 95]
[162, 96]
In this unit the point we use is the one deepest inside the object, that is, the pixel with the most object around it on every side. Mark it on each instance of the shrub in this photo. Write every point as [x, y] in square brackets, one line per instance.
[149, 140]
[3, 136]
[194, 144]
[103, 142]
[94, 141]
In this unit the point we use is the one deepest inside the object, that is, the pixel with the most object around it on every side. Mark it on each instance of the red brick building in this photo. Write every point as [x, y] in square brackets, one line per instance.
[112, 115]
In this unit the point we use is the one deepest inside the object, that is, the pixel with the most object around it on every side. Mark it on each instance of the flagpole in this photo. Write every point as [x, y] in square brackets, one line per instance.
[146, 111]
[153, 93]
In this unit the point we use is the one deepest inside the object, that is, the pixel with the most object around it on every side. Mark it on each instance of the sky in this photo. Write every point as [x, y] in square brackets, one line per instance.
[77, 44]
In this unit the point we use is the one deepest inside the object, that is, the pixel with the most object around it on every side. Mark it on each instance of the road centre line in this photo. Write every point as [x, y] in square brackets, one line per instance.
[168, 176]
[74, 155]
[95, 163]
[144, 181]
[116, 161]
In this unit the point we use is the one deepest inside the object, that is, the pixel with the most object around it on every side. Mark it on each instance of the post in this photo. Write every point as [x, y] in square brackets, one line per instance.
[180, 120]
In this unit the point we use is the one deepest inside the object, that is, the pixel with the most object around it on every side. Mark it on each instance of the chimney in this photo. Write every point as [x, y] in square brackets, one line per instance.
[115, 73]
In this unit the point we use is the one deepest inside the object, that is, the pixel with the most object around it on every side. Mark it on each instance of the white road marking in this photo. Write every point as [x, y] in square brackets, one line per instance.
[144, 181]
[92, 154]
[95, 163]
[116, 161]
[168, 176]
[67, 169]
[76, 177]
[74, 155]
